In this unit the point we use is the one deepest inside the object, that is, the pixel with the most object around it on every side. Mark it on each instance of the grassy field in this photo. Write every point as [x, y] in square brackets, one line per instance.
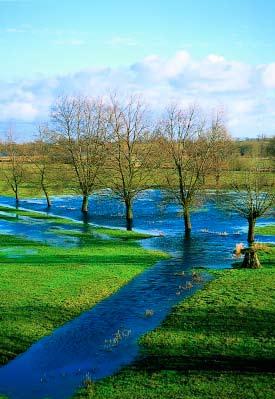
[42, 286]
[61, 179]
[268, 230]
[218, 344]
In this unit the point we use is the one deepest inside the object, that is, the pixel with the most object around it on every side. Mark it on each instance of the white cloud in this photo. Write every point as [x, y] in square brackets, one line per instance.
[20, 110]
[244, 90]
[243, 106]
[215, 59]
[268, 76]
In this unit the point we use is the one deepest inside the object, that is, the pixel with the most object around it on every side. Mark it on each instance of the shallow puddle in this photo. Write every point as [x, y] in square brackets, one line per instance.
[15, 253]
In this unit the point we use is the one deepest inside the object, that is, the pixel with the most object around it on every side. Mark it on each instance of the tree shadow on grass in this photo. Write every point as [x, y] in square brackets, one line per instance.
[199, 363]
[226, 338]
[245, 320]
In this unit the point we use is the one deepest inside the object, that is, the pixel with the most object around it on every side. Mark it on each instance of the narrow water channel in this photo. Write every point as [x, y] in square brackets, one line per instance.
[102, 340]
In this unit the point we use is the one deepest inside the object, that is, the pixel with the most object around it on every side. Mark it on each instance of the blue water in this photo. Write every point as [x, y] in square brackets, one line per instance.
[102, 340]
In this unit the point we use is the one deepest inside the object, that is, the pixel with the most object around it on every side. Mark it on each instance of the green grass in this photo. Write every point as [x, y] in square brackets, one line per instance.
[115, 233]
[194, 354]
[45, 286]
[268, 230]
[61, 179]
[111, 233]
[230, 321]
[170, 384]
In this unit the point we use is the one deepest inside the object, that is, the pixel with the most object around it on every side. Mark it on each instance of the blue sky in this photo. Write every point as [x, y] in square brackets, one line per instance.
[215, 52]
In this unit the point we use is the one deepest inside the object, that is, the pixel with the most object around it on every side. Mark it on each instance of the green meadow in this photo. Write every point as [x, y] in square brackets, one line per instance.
[43, 286]
[218, 344]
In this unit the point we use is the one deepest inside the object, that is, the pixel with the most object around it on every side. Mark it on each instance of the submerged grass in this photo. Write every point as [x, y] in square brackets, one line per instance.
[45, 286]
[218, 344]
[14, 214]
[100, 231]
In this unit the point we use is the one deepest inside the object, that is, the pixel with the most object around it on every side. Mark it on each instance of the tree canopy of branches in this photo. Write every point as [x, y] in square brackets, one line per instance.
[131, 152]
[80, 127]
[190, 146]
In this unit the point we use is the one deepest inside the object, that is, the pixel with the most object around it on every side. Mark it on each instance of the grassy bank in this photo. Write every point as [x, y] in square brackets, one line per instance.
[42, 286]
[218, 344]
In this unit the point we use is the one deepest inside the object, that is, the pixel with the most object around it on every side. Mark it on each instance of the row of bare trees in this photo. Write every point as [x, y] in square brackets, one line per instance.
[20, 162]
[115, 144]
[119, 138]
[105, 144]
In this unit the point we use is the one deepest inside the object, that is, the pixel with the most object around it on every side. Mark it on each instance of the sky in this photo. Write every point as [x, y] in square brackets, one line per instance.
[217, 53]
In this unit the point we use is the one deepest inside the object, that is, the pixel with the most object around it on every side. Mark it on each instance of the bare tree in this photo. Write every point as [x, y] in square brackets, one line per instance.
[222, 155]
[131, 152]
[252, 199]
[81, 126]
[14, 172]
[40, 159]
[190, 146]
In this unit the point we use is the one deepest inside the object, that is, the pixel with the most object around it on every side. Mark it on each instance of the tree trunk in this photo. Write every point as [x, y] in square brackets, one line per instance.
[251, 231]
[85, 203]
[187, 222]
[129, 215]
[251, 260]
[49, 204]
[16, 195]
[86, 220]
[47, 197]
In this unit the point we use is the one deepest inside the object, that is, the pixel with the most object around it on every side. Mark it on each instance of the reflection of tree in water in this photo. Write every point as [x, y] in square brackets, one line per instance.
[86, 219]
[87, 234]
[187, 247]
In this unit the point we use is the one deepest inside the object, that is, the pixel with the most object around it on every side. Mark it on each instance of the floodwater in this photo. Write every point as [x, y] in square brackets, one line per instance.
[104, 339]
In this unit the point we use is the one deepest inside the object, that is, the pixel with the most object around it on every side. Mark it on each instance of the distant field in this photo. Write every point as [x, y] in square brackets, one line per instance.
[61, 179]
[268, 230]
